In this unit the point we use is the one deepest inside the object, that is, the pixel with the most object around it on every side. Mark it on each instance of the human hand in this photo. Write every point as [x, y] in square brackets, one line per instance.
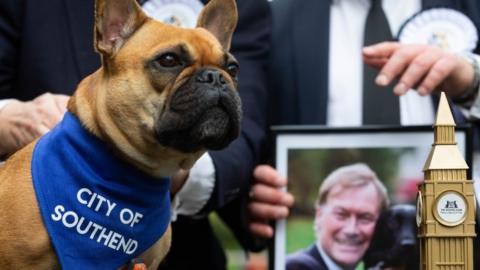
[23, 122]
[426, 68]
[267, 201]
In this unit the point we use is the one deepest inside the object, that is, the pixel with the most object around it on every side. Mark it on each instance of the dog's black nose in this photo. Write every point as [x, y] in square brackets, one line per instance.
[211, 76]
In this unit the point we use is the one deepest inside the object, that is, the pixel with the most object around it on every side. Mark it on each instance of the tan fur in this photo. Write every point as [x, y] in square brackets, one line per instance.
[213, 18]
[25, 241]
[154, 255]
[120, 104]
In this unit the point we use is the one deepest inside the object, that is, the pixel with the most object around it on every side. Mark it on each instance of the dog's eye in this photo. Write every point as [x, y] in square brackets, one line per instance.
[169, 60]
[232, 69]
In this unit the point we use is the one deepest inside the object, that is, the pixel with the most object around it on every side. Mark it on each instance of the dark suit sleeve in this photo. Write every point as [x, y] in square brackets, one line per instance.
[10, 24]
[308, 259]
[234, 165]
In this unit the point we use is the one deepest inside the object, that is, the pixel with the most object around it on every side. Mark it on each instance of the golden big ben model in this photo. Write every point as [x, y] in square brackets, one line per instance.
[446, 201]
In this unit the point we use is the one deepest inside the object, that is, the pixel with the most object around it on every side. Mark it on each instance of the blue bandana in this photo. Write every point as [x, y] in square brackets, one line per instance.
[98, 210]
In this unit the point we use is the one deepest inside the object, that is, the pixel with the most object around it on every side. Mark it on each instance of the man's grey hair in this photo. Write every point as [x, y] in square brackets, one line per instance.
[351, 176]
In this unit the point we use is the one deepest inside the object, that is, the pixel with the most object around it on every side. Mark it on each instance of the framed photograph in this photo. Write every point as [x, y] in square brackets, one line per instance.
[306, 155]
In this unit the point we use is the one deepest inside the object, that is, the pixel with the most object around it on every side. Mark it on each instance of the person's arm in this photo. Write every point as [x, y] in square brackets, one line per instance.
[220, 180]
[23, 122]
[260, 199]
[234, 165]
[428, 69]
[423, 67]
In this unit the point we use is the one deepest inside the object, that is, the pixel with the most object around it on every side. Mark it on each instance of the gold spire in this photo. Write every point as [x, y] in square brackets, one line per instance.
[444, 153]
[444, 115]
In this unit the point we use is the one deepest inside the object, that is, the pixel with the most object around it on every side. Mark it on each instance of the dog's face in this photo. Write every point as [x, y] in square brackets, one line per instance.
[182, 89]
[169, 93]
[395, 239]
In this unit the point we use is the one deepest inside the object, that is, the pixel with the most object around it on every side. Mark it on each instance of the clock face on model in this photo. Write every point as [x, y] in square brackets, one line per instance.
[450, 208]
[419, 215]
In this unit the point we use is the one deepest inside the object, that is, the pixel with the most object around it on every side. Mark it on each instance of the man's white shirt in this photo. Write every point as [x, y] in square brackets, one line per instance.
[347, 21]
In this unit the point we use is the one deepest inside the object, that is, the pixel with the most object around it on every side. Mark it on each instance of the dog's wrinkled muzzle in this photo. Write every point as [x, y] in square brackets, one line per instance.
[205, 113]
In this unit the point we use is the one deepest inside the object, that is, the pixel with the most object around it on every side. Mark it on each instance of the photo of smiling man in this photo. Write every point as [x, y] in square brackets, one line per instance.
[349, 203]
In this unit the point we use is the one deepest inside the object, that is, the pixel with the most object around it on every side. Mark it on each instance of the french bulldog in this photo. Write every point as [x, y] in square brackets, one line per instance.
[93, 193]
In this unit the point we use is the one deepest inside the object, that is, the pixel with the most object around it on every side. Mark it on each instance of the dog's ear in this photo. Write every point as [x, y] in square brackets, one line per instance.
[219, 17]
[115, 22]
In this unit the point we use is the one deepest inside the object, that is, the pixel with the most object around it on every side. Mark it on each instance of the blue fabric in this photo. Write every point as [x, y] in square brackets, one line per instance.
[99, 210]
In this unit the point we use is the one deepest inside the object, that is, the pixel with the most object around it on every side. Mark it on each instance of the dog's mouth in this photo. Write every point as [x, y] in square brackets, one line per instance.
[200, 118]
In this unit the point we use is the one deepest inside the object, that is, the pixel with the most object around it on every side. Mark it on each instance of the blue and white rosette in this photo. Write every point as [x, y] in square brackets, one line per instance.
[182, 13]
[446, 28]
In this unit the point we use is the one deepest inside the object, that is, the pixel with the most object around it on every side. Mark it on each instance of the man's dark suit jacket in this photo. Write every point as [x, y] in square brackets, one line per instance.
[308, 259]
[300, 57]
[47, 46]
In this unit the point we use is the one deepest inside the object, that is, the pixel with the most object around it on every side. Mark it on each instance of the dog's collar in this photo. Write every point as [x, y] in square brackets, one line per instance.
[98, 210]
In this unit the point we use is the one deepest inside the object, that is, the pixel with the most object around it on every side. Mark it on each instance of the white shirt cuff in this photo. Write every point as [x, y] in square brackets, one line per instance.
[4, 102]
[197, 189]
